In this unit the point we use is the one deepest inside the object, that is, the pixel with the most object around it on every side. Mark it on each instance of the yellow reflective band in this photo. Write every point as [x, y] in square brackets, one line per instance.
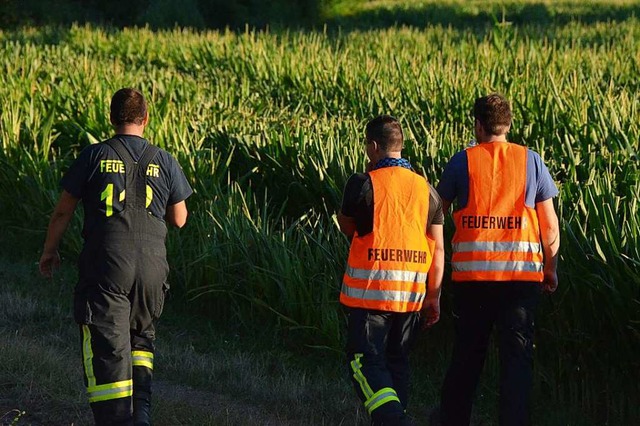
[381, 397]
[142, 359]
[87, 356]
[356, 366]
[109, 391]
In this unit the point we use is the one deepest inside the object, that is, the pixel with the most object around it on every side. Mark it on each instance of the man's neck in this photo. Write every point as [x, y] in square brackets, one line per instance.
[493, 138]
[392, 154]
[130, 129]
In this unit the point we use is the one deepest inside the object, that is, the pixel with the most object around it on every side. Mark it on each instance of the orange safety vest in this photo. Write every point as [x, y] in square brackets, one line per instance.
[497, 236]
[387, 268]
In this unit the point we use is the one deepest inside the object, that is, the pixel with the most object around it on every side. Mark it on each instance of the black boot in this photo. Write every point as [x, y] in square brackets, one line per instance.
[141, 408]
[142, 379]
[114, 412]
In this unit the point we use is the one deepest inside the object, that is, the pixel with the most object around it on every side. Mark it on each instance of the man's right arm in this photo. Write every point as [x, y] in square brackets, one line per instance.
[350, 199]
[347, 224]
[62, 215]
[550, 236]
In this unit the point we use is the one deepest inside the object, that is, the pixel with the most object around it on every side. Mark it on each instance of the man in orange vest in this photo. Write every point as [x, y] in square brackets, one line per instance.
[394, 270]
[504, 255]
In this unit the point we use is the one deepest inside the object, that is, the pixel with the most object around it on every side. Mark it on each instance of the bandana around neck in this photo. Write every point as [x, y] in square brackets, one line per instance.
[393, 162]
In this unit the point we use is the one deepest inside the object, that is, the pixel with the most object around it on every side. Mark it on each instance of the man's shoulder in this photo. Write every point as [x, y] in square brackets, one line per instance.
[356, 186]
[433, 191]
[457, 165]
[458, 159]
[534, 156]
[94, 151]
[358, 179]
[535, 164]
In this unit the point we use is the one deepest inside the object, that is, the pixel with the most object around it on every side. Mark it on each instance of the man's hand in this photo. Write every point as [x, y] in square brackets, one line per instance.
[60, 219]
[347, 225]
[49, 262]
[431, 312]
[550, 281]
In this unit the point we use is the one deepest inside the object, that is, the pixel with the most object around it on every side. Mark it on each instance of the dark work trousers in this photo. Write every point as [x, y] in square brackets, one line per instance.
[477, 306]
[378, 345]
[122, 271]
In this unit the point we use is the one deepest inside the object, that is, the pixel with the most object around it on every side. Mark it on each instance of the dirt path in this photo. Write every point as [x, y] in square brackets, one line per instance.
[215, 404]
[203, 378]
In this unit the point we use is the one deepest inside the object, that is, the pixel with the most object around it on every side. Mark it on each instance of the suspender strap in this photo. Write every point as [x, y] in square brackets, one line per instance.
[135, 172]
[146, 157]
[118, 146]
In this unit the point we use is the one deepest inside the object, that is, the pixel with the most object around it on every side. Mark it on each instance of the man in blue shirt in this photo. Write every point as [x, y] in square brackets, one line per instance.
[506, 226]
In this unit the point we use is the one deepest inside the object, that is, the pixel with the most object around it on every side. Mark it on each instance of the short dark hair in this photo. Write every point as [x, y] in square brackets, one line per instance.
[494, 113]
[386, 131]
[128, 107]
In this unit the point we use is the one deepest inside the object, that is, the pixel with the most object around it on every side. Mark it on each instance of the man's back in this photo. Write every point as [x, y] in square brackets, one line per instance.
[98, 177]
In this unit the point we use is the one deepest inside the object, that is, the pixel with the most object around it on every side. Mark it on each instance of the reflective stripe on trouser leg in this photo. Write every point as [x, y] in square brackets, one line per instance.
[142, 359]
[373, 399]
[109, 391]
[87, 356]
[103, 392]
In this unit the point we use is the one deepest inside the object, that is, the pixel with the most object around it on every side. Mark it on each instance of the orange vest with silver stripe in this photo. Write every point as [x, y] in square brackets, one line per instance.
[387, 268]
[497, 236]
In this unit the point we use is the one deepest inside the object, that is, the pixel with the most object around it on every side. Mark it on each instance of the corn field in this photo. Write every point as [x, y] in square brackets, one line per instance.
[269, 125]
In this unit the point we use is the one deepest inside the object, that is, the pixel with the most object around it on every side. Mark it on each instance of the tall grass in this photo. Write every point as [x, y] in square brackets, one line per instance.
[268, 126]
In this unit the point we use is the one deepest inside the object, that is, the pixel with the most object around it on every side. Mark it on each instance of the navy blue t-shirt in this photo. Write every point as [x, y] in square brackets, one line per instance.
[454, 183]
[86, 179]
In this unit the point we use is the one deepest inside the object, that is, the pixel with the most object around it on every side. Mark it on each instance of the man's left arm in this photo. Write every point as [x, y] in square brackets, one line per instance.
[435, 231]
[546, 190]
[176, 211]
[62, 215]
[177, 214]
[431, 305]
[550, 237]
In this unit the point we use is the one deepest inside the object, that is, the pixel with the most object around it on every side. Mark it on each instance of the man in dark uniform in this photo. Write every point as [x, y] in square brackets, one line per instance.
[128, 188]
[394, 218]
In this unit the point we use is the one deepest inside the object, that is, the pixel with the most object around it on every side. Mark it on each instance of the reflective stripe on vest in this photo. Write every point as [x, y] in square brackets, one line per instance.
[377, 275]
[382, 295]
[497, 235]
[497, 246]
[387, 268]
[515, 266]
